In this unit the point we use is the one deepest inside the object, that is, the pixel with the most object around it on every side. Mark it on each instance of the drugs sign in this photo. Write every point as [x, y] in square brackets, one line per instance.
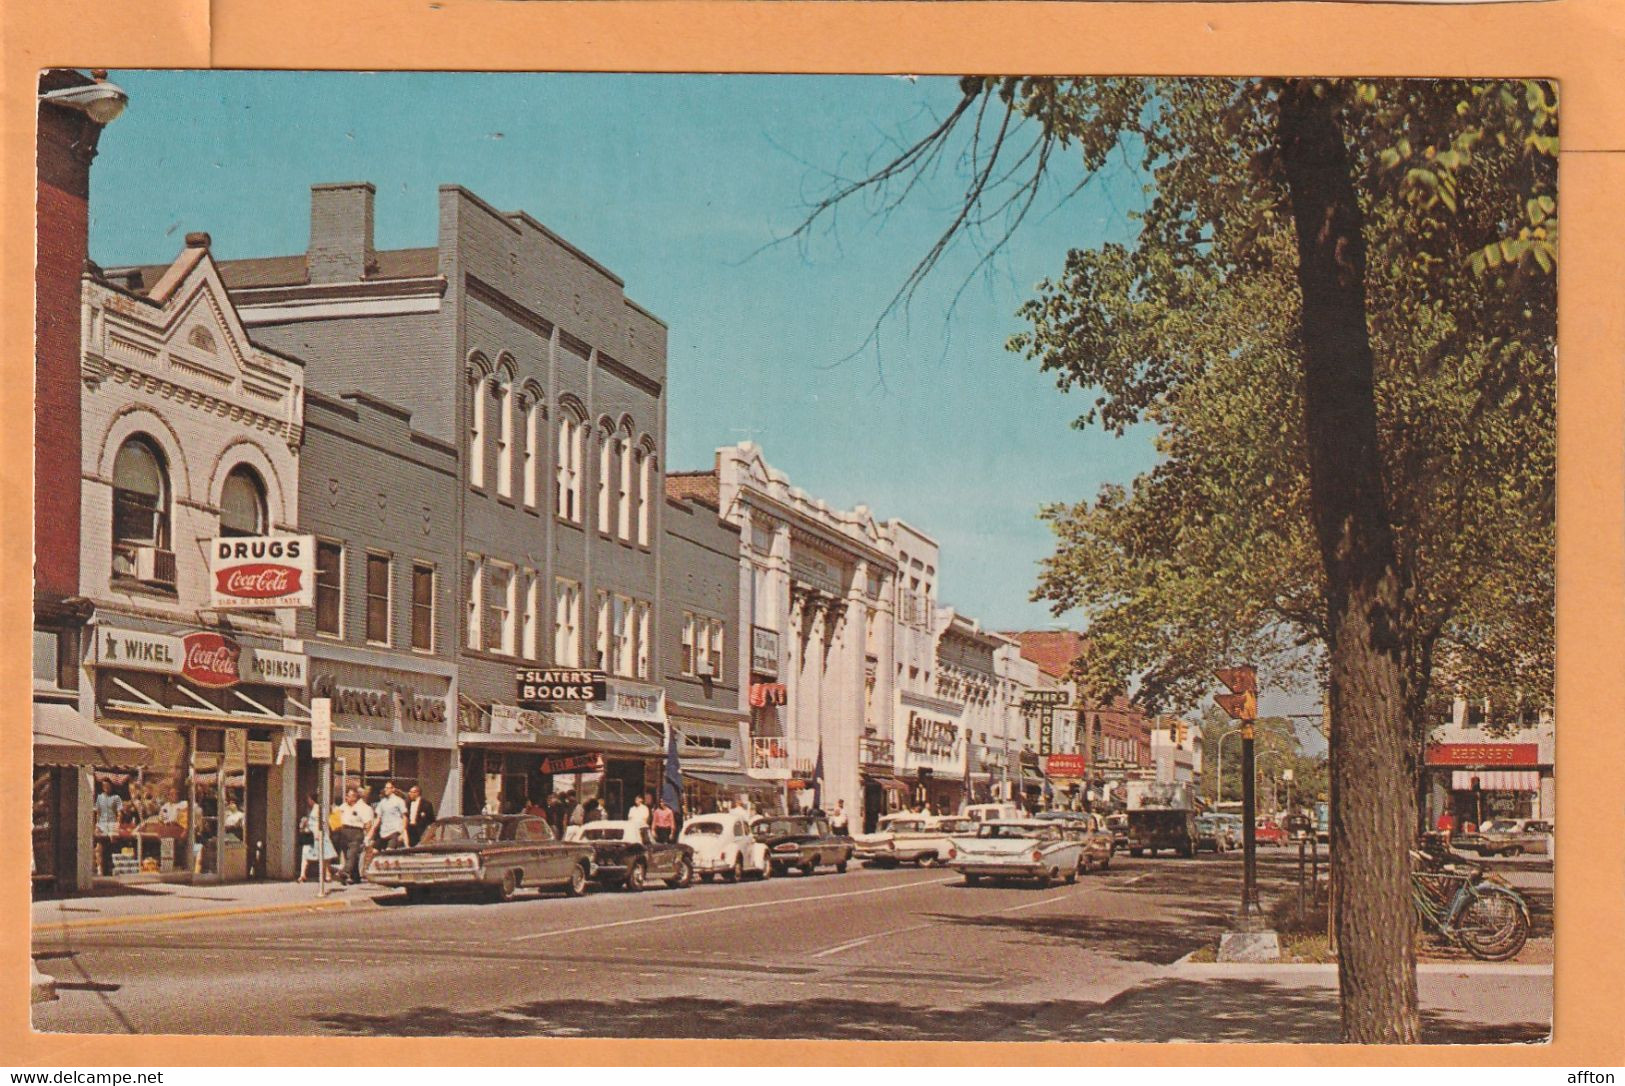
[560, 684]
[262, 571]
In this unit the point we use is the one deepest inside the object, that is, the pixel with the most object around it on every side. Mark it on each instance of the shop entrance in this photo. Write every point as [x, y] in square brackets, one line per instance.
[259, 779]
[624, 781]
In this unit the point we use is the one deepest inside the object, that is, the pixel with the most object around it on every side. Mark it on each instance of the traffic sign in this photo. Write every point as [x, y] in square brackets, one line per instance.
[321, 728]
[1242, 701]
[560, 684]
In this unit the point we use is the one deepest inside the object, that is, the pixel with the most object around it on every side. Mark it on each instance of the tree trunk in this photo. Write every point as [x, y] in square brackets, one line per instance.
[1373, 803]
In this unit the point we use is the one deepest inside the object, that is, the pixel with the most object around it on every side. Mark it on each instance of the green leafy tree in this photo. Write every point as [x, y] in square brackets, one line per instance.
[1339, 314]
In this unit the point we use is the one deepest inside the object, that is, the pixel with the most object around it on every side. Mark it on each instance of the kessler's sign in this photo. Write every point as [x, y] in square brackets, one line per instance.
[262, 571]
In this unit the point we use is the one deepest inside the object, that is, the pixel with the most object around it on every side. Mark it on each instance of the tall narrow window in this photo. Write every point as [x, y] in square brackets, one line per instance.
[688, 643]
[602, 632]
[623, 508]
[329, 589]
[422, 607]
[716, 649]
[476, 432]
[621, 637]
[378, 598]
[566, 623]
[505, 439]
[533, 449]
[473, 569]
[645, 476]
[140, 510]
[527, 640]
[242, 503]
[644, 647]
[606, 470]
[500, 616]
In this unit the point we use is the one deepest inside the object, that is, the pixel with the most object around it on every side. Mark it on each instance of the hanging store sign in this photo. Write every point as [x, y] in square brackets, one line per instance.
[1066, 765]
[931, 738]
[204, 657]
[764, 652]
[550, 684]
[1045, 697]
[1521, 754]
[574, 763]
[256, 572]
[632, 701]
[764, 694]
[261, 752]
[210, 659]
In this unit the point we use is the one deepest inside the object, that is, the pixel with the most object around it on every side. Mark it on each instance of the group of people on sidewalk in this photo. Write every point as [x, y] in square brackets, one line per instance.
[351, 827]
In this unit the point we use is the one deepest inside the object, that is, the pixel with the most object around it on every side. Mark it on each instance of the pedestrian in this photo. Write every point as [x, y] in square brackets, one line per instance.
[355, 816]
[596, 811]
[555, 813]
[389, 819]
[318, 846]
[109, 806]
[419, 814]
[578, 812]
[639, 814]
[664, 821]
[838, 822]
[1446, 825]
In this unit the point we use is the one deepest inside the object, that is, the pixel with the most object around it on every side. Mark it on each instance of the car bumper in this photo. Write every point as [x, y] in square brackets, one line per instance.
[998, 870]
[609, 871]
[399, 879]
[712, 867]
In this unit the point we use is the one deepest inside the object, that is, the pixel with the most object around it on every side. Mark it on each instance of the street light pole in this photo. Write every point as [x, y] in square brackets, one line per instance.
[1218, 768]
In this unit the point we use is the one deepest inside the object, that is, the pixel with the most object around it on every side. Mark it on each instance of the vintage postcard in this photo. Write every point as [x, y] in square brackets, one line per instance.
[887, 558]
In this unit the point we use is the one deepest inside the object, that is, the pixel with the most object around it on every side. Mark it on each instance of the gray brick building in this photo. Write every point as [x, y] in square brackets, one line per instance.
[524, 354]
[381, 499]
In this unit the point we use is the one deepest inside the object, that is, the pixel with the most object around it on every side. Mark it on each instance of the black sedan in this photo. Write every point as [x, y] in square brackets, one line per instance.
[494, 854]
[626, 855]
[803, 842]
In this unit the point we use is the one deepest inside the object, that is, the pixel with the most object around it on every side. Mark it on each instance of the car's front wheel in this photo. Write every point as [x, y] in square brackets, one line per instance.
[684, 875]
[736, 872]
[417, 894]
[972, 880]
[840, 867]
[509, 885]
[634, 877]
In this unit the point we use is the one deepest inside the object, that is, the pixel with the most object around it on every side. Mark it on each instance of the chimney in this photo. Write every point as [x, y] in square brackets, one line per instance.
[341, 232]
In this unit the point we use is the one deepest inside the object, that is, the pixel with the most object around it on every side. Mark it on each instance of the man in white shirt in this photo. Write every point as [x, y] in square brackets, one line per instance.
[389, 821]
[355, 815]
[639, 814]
[838, 819]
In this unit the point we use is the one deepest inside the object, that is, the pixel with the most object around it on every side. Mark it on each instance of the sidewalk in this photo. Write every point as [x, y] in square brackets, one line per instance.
[116, 905]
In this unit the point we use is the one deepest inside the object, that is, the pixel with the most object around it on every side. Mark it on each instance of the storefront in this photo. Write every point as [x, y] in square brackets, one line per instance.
[1476, 782]
[393, 720]
[711, 748]
[213, 800]
[67, 746]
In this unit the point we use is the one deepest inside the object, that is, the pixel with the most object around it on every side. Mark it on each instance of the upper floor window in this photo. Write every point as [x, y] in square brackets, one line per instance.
[571, 430]
[329, 588]
[140, 495]
[533, 449]
[423, 607]
[606, 476]
[242, 503]
[645, 478]
[474, 572]
[623, 507]
[504, 397]
[602, 633]
[476, 432]
[566, 623]
[502, 589]
[378, 592]
[527, 636]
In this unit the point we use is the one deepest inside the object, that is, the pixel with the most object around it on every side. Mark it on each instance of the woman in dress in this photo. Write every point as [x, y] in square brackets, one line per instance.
[316, 831]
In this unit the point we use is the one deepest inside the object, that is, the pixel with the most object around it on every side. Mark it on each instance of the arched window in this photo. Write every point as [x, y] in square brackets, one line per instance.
[476, 432]
[504, 397]
[606, 475]
[623, 508]
[140, 495]
[242, 503]
[568, 472]
[533, 448]
[646, 471]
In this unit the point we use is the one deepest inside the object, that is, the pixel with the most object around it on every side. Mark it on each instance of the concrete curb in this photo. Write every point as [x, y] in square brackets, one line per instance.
[194, 914]
[1250, 970]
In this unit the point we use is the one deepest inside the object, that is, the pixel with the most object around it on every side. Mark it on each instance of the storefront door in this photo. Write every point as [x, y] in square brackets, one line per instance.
[259, 779]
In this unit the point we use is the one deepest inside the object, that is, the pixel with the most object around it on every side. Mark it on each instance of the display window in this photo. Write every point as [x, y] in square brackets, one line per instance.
[368, 768]
[45, 825]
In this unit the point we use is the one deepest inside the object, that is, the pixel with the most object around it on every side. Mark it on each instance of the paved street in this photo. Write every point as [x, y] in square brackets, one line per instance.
[872, 954]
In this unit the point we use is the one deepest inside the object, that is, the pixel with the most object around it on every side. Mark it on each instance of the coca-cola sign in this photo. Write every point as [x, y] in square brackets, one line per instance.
[210, 659]
[262, 571]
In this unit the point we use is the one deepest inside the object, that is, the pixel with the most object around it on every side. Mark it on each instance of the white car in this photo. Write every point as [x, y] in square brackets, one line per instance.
[723, 845]
[1025, 848]
[994, 812]
[904, 838]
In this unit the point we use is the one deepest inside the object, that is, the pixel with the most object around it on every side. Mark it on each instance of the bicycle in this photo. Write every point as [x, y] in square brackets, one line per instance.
[1463, 904]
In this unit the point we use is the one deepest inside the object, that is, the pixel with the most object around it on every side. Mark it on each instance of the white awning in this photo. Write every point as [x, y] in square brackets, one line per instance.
[1496, 780]
[62, 736]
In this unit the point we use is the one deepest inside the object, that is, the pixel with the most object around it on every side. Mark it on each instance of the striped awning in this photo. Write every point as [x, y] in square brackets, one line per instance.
[1496, 780]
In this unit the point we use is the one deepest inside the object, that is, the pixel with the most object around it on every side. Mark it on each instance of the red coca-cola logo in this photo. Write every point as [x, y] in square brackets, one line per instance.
[257, 581]
[210, 659]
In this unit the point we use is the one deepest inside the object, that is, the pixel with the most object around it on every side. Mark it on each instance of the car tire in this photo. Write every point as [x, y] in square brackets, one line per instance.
[1054, 878]
[635, 874]
[1073, 877]
[736, 872]
[1136, 852]
[708, 876]
[778, 868]
[840, 867]
[809, 867]
[577, 885]
[1107, 862]
[973, 880]
[767, 870]
[510, 884]
[417, 894]
[684, 876]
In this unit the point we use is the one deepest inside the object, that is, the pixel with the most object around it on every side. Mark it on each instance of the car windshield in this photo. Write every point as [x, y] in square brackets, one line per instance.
[905, 827]
[955, 825]
[603, 833]
[1500, 825]
[1005, 829]
[477, 830]
[708, 829]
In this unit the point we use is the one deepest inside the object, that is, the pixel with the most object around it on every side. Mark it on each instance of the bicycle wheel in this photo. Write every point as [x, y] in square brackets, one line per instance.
[1494, 926]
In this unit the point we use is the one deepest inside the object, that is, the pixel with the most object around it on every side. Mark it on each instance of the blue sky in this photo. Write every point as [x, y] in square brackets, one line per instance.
[677, 183]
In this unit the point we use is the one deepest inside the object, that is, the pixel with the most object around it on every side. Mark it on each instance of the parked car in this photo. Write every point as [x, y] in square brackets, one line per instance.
[722, 844]
[1118, 824]
[803, 842]
[1027, 848]
[904, 838]
[984, 812]
[496, 854]
[1152, 829]
[1213, 834]
[1298, 826]
[1094, 839]
[1269, 832]
[1506, 837]
[626, 855]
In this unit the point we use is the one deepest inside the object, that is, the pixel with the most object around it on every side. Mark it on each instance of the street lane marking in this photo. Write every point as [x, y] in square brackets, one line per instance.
[782, 901]
[1034, 904]
[866, 939]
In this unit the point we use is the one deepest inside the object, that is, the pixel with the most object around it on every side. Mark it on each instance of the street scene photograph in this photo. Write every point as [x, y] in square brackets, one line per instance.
[791, 557]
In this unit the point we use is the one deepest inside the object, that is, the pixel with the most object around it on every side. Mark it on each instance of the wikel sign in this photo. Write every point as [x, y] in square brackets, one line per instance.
[262, 571]
[203, 657]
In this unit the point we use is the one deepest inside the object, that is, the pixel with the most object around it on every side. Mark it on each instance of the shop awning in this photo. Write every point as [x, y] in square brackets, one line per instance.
[735, 782]
[1496, 780]
[62, 736]
[891, 783]
[629, 733]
